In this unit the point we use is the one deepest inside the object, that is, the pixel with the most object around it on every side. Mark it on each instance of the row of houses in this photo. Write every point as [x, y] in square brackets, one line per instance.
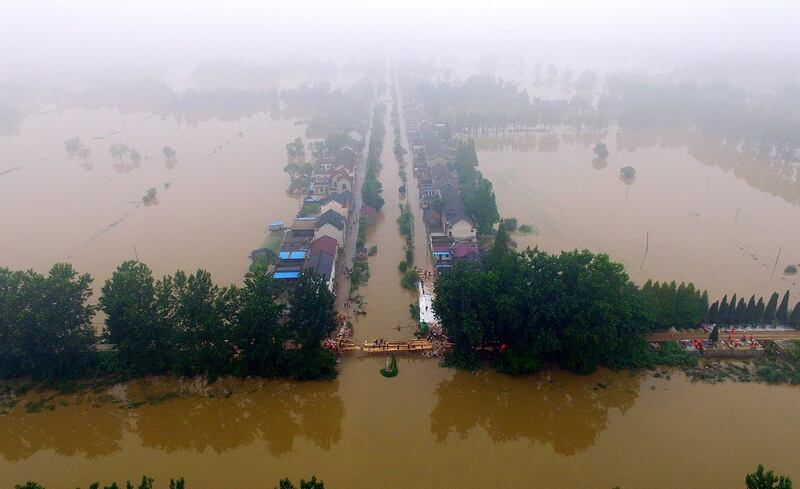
[452, 233]
[315, 241]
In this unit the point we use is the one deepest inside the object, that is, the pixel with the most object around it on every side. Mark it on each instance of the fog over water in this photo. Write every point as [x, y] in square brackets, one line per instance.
[158, 131]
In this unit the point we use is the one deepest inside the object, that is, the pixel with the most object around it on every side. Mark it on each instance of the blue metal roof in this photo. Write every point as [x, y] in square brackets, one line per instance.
[293, 255]
[286, 275]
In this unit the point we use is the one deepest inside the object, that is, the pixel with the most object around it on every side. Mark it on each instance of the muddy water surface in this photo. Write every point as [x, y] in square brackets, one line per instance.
[225, 185]
[428, 427]
[711, 218]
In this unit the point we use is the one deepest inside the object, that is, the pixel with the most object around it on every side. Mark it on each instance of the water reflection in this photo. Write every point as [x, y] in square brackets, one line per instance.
[275, 414]
[555, 408]
[168, 418]
[68, 430]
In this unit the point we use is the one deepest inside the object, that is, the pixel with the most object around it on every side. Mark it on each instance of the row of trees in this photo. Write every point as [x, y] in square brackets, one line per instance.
[577, 308]
[671, 305]
[476, 191]
[754, 312]
[181, 324]
[372, 189]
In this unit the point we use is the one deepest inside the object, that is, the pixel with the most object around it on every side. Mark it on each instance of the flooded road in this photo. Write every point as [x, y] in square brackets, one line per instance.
[711, 219]
[225, 184]
[387, 315]
[429, 427]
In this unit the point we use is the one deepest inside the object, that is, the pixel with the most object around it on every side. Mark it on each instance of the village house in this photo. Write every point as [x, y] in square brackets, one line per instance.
[322, 258]
[332, 224]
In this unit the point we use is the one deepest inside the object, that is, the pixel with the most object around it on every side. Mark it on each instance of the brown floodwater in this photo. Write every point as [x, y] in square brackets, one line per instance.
[713, 217]
[388, 316]
[226, 184]
[429, 427]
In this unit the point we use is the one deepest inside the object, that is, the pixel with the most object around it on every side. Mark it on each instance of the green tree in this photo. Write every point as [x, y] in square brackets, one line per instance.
[601, 151]
[480, 203]
[772, 305]
[52, 335]
[202, 314]
[750, 312]
[257, 334]
[759, 313]
[312, 317]
[713, 312]
[723, 310]
[766, 480]
[732, 306]
[782, 314]
[140, 339]
[741, 312]
[794, 319]
[714, 336]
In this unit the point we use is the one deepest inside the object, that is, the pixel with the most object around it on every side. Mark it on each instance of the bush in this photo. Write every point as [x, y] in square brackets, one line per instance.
[373, 250]
[790, 270]
[403, 266]
[409, 279]
[510, 224]
[671, 354]
[528, 229]
[413, 309]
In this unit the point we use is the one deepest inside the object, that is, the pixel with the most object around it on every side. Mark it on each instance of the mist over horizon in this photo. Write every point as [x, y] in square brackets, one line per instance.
[716, 39]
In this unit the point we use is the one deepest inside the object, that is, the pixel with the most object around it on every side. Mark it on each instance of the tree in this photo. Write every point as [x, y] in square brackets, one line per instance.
[758, 316]
[202, 314]
[139, 337]
[714, 336]
[257, 334]
[119, 150]
[769, 313]
[49, 325]
[601, 151]
[481, 204]
[741, 312]
[723, 310]
[766, 480]
[782, 314]
[794, 319]
[713, 312]
[312, 317]
[750, 312]
[310, 484]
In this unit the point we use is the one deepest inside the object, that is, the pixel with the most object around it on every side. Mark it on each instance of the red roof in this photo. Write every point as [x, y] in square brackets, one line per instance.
[441, 248]
[462, 250]
[323, 244]
[369, 211]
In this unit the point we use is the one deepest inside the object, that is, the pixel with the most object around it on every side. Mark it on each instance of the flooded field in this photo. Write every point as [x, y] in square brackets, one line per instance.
[213, 200]
[427, 428]
[713, 217]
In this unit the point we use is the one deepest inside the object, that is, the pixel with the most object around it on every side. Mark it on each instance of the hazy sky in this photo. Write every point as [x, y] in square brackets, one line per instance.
[143, 31]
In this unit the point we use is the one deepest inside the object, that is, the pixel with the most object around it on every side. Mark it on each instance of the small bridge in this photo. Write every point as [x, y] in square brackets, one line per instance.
[378, 348]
